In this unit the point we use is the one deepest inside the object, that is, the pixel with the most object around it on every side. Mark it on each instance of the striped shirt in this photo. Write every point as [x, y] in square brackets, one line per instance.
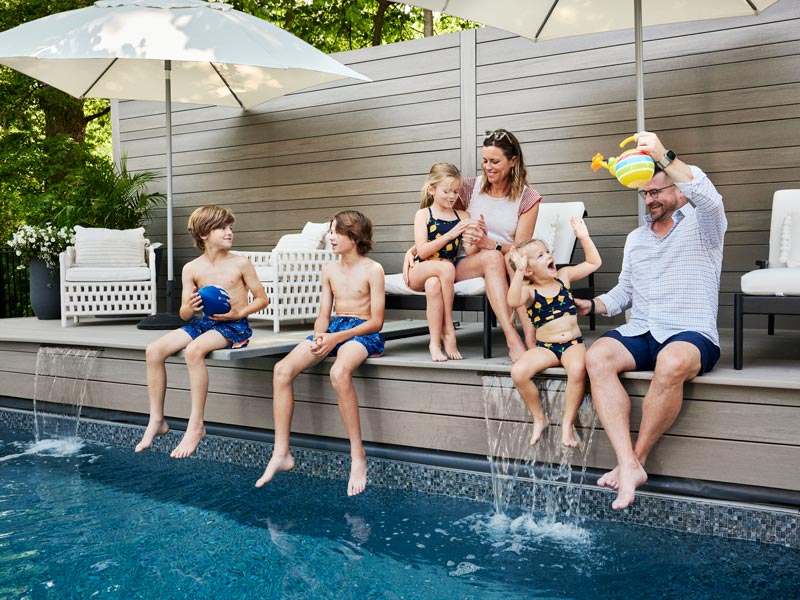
[671, 284]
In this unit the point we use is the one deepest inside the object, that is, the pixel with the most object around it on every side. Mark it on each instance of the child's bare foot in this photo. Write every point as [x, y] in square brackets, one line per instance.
[436, 353]
[358, 476]
[516, 350]
[539, 425]
[154, 429]
[191, 439]
[450, 346]
[630, 478]
[610, 479]
[569, 437]
[275, 465]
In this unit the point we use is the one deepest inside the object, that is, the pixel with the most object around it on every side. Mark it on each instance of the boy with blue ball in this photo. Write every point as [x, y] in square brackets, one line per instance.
[215, 302]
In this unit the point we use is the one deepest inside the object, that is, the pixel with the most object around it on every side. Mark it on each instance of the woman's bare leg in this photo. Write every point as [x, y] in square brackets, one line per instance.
[491, 266]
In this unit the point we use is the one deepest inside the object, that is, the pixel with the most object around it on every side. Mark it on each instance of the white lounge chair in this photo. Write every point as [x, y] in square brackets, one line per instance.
[773, 288]
[108, 272]
[291, 274]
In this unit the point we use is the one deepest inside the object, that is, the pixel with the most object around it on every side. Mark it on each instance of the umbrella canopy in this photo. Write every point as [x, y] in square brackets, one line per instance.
[163, 50]
[548, 19]
[117, 48]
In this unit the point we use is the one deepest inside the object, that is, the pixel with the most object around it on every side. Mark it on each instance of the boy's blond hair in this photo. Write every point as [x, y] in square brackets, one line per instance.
[438, 173]
[206, 219]
[357, 227]
[528, 243]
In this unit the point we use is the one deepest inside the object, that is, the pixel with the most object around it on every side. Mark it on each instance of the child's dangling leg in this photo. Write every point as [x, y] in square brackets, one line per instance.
[532, 362]
[574, 363]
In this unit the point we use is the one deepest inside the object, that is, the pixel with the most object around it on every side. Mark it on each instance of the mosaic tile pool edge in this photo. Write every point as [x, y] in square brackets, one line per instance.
[734, 521]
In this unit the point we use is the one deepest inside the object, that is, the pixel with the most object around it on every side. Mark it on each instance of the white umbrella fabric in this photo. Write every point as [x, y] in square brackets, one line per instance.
[167, 50]
[541, 20]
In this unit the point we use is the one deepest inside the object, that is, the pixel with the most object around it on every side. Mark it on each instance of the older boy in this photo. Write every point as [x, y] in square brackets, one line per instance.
[212, 230]
[357, 285]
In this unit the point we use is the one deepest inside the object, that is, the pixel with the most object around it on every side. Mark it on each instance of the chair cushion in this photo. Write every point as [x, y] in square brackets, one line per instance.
[297, 241]
[772, 282]
[317, 232]
[790, 240]
[95, 246]
[114, 274]
[469, 287]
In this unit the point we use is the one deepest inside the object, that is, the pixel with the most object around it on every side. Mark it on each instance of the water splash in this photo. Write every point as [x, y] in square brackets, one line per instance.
[59, 448]
[59, 390]
[548, 466]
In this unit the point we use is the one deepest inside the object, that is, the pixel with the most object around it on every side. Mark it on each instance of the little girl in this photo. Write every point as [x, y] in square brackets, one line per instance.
[546, 291]
[437, 235]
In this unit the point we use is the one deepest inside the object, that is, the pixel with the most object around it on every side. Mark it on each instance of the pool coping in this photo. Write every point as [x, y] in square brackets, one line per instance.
[726, 519]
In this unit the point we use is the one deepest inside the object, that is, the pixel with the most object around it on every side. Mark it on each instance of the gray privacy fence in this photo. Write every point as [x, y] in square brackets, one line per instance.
[15, 299]
[724, 94]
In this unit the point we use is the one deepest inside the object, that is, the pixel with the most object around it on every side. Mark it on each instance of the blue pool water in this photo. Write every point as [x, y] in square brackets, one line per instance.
[88, 521]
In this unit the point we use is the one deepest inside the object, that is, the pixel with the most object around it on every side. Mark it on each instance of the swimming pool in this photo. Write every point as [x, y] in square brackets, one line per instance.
[87, 520]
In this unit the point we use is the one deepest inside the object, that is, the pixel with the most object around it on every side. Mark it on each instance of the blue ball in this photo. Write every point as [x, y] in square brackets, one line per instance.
[216, 300]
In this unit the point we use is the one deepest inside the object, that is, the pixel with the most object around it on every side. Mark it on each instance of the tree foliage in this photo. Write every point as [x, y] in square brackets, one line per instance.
[55, 155]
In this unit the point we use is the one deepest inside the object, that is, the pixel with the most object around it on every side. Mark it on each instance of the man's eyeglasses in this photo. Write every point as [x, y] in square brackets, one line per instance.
[653, 193]
[496, 135]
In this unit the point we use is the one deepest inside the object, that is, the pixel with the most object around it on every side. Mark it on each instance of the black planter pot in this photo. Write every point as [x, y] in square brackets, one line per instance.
[44, 288]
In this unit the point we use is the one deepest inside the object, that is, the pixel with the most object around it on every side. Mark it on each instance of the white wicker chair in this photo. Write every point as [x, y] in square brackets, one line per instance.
[292, 279]
[117, 290]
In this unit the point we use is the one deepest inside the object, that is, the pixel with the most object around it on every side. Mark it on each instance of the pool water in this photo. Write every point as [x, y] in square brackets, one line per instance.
[82, 520]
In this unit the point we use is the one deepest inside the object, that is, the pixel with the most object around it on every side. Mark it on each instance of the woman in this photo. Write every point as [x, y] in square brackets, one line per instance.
[503, 209]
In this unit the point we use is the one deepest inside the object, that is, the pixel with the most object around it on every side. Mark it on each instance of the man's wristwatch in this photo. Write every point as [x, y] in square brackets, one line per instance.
[498, 247]
[669, 156]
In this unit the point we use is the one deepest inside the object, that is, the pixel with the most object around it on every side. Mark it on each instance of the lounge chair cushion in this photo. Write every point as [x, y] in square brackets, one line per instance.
[469, 287]
[116, 274]
[790, 240]
[95, 246]
[772, 282]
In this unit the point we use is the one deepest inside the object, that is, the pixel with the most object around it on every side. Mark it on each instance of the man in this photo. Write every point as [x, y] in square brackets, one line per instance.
[670, 280]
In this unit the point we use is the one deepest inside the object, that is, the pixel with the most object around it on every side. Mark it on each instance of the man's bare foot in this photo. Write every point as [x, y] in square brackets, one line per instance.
[154, 429]
[191, 439]
[275, 465]
[610, 479]
[450, 346]
[358, 476]
[539, 425]
[569, 437]
[436, 353]
[629, 480]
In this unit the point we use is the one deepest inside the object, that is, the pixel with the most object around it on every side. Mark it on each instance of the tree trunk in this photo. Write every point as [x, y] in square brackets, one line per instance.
[427, 22]
[62, 114]
[379, 17]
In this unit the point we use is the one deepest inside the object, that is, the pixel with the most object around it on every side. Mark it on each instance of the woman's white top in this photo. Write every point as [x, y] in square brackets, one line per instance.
[500, 214]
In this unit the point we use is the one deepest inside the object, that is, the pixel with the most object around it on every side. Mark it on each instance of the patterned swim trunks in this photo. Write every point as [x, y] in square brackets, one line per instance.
[558, 348]
[237, 333]
[373, 342]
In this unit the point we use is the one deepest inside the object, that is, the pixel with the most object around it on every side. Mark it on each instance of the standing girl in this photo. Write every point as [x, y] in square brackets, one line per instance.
[546, 292]
[437, 236]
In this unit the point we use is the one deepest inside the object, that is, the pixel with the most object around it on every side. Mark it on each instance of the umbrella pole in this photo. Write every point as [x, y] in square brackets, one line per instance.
[168, 141]
[170, 319]
[638, 55]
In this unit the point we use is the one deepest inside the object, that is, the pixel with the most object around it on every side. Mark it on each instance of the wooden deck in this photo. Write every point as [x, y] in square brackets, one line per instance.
[738, 427]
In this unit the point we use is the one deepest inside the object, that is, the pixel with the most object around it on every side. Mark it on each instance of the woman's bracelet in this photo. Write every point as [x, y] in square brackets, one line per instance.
[591, 311]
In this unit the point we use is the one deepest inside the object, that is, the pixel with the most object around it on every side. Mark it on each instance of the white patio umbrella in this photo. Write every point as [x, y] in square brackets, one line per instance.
[541, 20]
[167, 50]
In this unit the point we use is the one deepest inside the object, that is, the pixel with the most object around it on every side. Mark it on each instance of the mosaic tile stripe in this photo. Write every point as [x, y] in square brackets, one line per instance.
[733, 521]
